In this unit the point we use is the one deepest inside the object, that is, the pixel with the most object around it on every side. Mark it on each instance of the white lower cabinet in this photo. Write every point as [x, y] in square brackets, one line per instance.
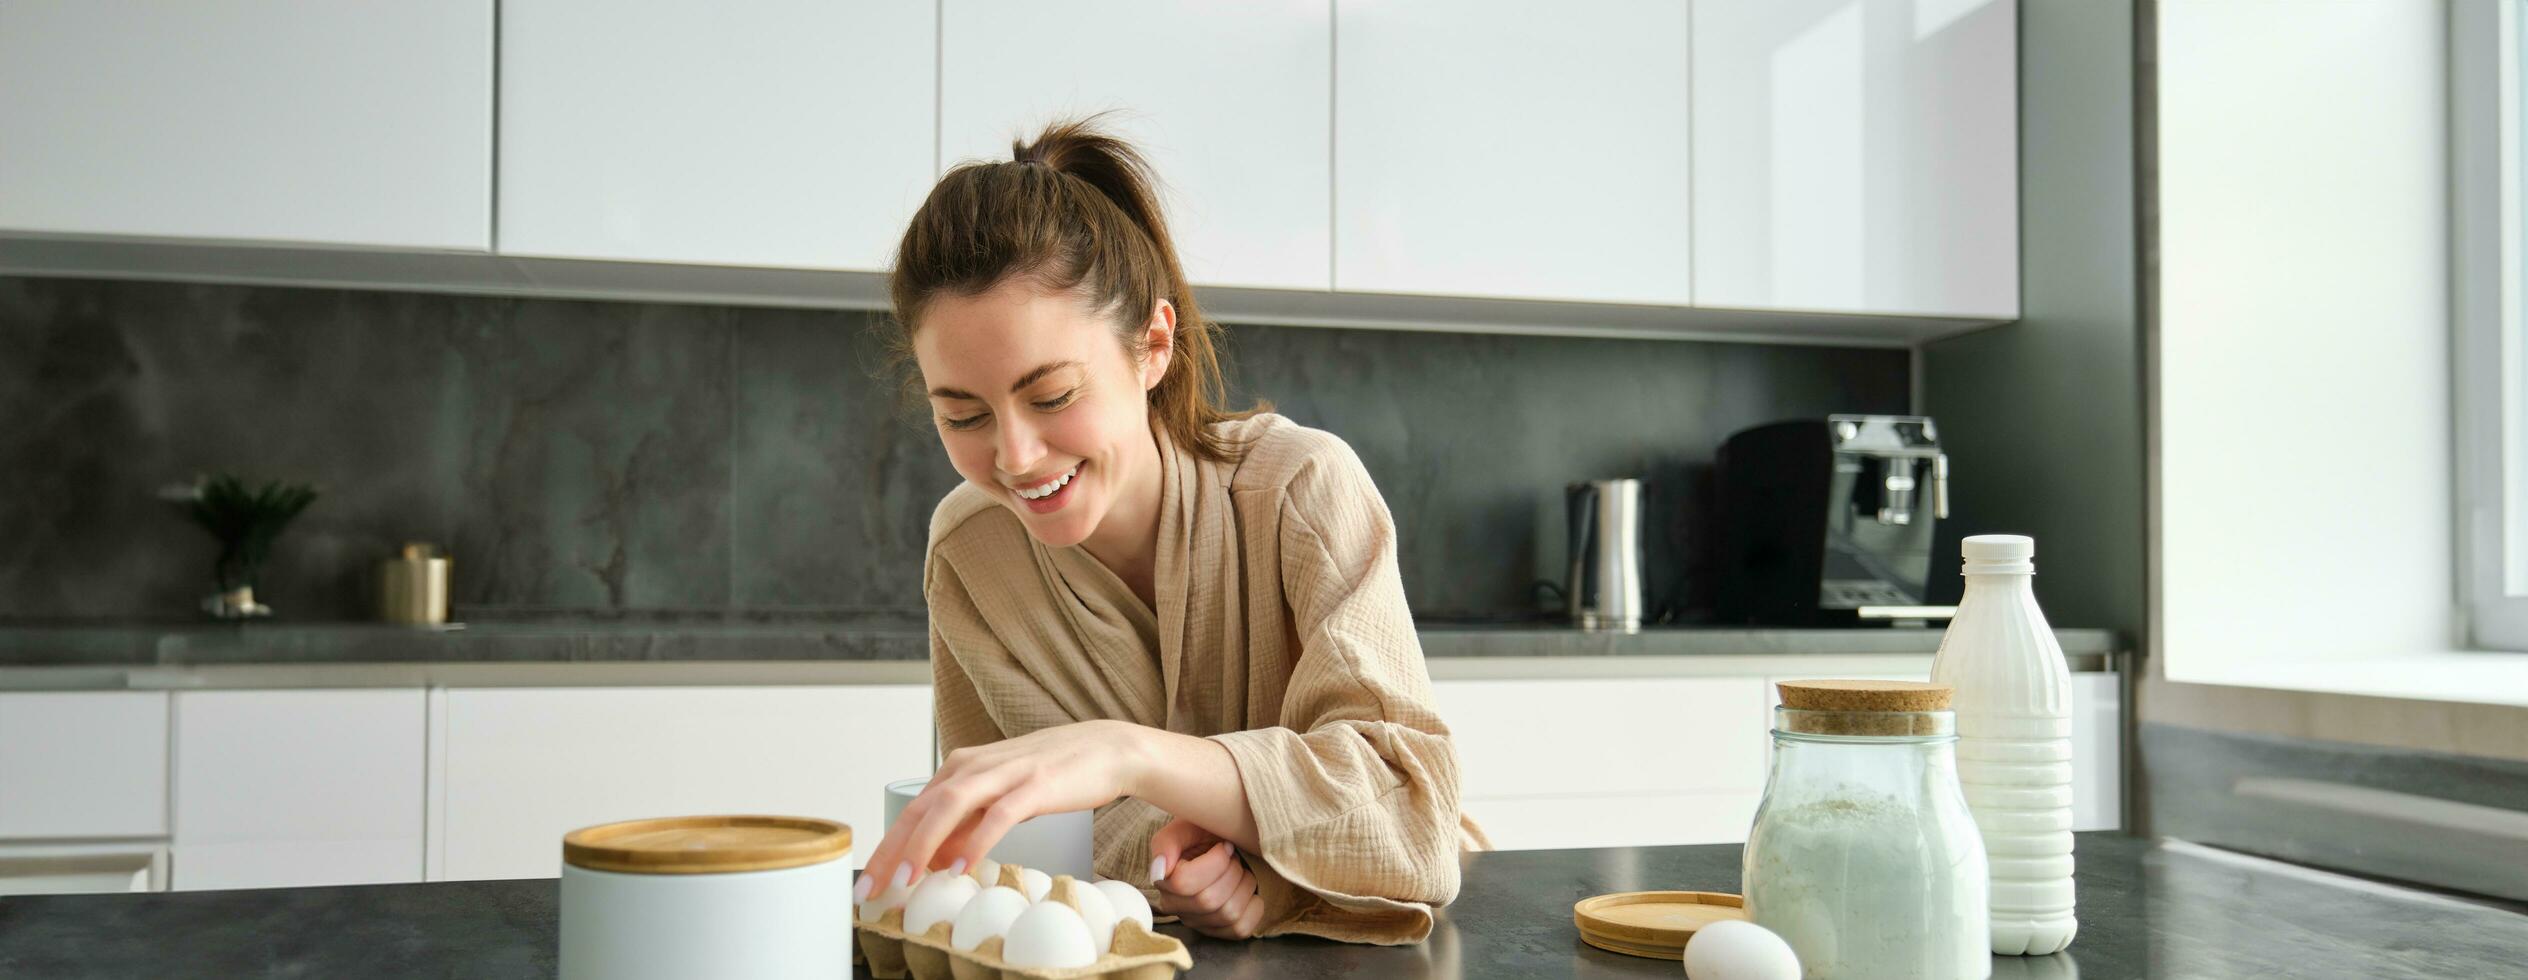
[86, 868]
[513, 769]
[2097, 751]
[83, 764]
[1644, 761]
[1608, 762]
[297, 787]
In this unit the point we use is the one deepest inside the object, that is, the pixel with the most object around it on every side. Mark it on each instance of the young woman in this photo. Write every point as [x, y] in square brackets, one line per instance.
[1141, 602]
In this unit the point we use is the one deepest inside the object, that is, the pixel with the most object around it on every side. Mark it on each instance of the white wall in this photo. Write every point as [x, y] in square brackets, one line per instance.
[2303, 343]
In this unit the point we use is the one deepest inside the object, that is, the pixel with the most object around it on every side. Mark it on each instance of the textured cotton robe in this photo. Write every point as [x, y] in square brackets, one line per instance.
[1281, 633]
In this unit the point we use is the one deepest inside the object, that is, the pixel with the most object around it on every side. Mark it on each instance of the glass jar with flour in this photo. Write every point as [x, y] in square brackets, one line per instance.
[1864, 856]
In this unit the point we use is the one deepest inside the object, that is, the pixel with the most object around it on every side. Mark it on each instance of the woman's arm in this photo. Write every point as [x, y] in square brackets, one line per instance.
[1194, 780]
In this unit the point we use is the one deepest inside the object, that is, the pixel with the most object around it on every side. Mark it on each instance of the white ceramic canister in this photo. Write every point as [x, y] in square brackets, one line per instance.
[729, 896]
[2014, 742]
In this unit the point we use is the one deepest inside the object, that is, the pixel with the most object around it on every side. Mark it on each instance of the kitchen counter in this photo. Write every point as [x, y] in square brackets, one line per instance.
[844, 638]
[2147, 909]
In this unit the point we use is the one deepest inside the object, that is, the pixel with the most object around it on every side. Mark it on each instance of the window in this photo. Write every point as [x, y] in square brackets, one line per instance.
[2489, 284]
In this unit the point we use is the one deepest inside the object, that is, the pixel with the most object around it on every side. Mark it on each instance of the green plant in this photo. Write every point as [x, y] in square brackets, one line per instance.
[245, 521]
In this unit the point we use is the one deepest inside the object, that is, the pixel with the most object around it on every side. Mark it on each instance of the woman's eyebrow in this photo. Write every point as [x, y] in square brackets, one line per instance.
[1029, 378]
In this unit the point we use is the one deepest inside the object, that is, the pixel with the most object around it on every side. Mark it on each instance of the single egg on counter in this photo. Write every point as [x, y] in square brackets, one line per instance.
[987, 915]
[1048, 936]
[1097, 912]
[1734, 949]
[1035, 883]
[1128, 901]
[937, 899]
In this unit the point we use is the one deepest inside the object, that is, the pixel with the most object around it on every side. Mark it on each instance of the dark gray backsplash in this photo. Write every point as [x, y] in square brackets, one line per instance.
[608, 457]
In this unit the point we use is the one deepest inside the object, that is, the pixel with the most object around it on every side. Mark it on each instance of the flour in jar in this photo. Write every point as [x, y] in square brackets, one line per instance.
[1863, 889]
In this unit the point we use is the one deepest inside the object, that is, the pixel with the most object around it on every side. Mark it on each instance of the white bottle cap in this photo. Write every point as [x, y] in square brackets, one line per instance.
[1997, 547]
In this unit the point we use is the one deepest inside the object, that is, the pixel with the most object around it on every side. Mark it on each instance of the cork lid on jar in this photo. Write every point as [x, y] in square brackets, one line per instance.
[1852, 707]
[705, 845]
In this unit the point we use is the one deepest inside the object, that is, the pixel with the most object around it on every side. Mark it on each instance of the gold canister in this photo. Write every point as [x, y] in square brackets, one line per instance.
[413, 586]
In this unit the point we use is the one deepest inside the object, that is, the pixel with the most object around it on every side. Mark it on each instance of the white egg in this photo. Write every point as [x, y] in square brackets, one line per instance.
[1098, 913]
[1048, 936]
[1732, 949]
[1128, 901]
[937, 899]
[987, 915]
[1035, 883]
[878, 904]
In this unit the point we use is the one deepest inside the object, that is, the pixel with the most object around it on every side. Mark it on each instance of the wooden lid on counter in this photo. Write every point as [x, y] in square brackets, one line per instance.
[1654, 925]
[705, 845]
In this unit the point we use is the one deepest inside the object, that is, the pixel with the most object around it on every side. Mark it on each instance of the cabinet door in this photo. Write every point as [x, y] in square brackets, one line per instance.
[1593, 763]
[1506, 149]
[338, 123]
[83, 869]
[1857, 157]
[520, 767]
[735, 132]
[2097, 751]
[1228, 101]
[83, 764]
[293, 788]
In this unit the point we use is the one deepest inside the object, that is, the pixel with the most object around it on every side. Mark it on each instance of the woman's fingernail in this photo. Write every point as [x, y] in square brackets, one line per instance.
[1158, 869]
[903, 876]
[860, 889]
[956, 867]
[1233, 849]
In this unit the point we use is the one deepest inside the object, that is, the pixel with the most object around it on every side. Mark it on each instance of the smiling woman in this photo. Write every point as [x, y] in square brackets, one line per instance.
[1185, 617]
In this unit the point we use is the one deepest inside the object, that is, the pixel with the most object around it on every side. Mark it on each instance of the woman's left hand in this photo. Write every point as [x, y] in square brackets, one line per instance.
[1203, 884]
[981, 792]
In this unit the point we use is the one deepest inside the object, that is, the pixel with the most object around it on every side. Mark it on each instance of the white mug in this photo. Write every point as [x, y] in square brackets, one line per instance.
[1055, 843]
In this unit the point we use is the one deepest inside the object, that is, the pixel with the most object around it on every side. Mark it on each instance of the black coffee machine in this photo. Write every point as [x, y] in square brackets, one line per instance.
[1829, 522]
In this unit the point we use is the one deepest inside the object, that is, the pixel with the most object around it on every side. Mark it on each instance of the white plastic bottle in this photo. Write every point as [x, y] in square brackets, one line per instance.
[2014, 745]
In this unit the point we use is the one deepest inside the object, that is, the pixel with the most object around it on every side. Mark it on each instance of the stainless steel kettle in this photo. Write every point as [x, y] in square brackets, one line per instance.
[1604, 587]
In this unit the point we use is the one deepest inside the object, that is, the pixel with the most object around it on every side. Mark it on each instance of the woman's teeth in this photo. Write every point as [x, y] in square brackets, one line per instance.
[1047, 490]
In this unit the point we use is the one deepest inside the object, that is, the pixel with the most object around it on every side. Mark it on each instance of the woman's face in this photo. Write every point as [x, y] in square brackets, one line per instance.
[1038, 402]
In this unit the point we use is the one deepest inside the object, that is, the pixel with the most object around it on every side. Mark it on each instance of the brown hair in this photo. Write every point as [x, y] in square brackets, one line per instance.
[1073, 211]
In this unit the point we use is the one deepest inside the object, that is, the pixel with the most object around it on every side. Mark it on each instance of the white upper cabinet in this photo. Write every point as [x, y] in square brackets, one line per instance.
[1495, 148]
[363, 124]
[783, 133]
[1857, 157]
[1228, 101]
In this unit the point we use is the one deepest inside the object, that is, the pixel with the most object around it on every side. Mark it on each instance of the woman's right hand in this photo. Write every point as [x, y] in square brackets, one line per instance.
[1202, 883]
[982, 791]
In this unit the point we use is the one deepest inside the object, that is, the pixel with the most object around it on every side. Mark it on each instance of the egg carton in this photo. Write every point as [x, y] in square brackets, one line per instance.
[893, 954]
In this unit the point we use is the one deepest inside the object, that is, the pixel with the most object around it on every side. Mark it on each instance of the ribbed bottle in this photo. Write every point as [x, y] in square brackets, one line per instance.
[2014, 742]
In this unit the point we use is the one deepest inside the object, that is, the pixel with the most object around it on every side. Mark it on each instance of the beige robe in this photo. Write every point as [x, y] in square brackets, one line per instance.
[1281, 633]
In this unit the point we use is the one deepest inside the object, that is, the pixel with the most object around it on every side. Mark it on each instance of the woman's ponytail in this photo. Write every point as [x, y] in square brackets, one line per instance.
[1075, 209]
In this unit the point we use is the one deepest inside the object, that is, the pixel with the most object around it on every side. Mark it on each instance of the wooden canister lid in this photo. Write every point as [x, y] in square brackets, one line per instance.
[1864, 695]
[1651, 924]
[705, 845]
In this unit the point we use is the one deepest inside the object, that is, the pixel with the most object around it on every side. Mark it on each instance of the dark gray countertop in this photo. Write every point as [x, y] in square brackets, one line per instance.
[2147, 909]
[838, 638]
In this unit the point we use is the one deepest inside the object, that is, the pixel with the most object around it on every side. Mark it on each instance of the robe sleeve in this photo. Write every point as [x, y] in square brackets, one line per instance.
[957, 709]
[1355, 792]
